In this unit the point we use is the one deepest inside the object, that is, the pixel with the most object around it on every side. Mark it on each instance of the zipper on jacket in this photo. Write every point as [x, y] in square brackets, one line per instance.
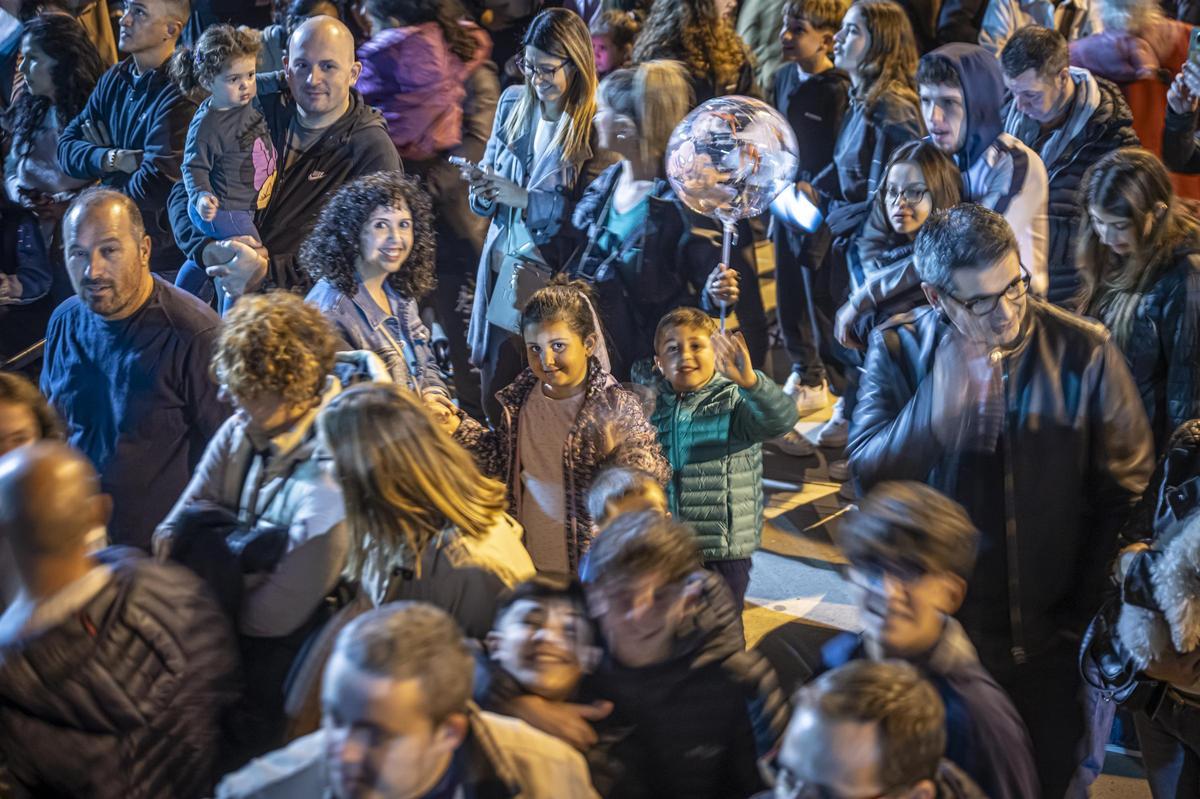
[1010, 529]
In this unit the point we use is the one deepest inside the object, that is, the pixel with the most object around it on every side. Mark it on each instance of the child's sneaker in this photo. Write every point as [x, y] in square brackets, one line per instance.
[809, 399]
[795, 444]
[835, 433]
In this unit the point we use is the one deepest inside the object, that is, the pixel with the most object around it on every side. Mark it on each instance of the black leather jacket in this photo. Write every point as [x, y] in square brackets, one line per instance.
[1074, 456]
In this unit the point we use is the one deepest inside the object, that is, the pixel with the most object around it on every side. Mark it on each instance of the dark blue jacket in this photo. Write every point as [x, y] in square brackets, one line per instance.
[134, 112]
[984, 735]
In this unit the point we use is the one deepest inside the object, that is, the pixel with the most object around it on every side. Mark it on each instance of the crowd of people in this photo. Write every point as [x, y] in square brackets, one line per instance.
[382, 434]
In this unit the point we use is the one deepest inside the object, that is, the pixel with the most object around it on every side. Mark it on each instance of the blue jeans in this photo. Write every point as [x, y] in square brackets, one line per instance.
[1170, 741]
[225, 225]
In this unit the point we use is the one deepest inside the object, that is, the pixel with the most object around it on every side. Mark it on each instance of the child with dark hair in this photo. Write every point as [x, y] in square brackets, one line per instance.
[564, 418]
[876, 48]
[712, 414]
[613, 35]
[919, 179]
[910, 537]
[813, 95]
[229, 160]
[698, 708]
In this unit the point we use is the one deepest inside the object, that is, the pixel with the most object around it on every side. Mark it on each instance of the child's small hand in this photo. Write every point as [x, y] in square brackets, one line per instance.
[732, 359]
[207, 205]
[443, 411]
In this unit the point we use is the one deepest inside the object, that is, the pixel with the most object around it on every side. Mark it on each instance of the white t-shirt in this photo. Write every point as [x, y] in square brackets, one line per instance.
[544, 425]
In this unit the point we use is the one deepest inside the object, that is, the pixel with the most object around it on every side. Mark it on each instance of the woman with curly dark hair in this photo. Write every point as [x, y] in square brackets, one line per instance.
[61, 67]
[699, 33]
[371, 255]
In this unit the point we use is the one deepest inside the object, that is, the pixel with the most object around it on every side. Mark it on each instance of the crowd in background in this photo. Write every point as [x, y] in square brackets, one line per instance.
[370, 425]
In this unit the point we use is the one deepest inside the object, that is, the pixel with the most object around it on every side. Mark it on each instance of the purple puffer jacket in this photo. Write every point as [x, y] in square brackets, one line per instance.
[418, 84]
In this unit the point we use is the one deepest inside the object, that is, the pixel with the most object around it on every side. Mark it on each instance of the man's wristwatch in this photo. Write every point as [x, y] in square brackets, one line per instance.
[110, 160]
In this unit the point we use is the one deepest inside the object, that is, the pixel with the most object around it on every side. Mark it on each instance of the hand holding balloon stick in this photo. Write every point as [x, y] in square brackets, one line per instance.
[728, 159]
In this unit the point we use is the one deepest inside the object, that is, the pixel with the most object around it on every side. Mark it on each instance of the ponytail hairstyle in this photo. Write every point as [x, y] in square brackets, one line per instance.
[562, 34]
[656, 95]
[418, 12]
[942, 176]
[693, 32]
[1129, 183]
[192, 69]
[890, 63]
[77, 69]
[562, 300]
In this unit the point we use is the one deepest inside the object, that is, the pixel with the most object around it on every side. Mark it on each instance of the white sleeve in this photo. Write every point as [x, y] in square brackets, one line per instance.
[997, 26]
[1018, 188]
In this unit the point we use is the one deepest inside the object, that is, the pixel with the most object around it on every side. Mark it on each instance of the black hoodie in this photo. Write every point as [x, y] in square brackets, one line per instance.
[356, 145]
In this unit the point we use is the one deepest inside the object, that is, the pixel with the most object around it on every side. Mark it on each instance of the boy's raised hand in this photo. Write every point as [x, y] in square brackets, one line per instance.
[732, 359]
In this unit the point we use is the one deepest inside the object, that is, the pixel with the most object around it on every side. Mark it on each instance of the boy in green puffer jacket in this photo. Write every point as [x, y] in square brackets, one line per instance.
[712, 413]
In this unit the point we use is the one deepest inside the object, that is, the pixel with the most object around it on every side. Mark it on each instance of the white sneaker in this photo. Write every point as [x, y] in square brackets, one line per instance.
[835, 433]
[809, 399]
[795, 444]
[839, 470]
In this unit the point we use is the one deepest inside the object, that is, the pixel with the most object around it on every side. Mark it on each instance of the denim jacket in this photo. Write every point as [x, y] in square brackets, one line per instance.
[400, 338]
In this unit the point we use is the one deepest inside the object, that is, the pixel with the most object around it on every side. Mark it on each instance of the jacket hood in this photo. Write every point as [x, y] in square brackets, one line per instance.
[983, 96]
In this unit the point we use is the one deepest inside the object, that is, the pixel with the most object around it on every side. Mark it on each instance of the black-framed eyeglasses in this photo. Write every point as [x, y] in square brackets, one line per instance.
[982, 306]
[910, 194]
[539, 71]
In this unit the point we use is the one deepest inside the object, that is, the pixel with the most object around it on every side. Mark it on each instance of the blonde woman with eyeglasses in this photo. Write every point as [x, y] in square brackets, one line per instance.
[538, 160]
[424, 523]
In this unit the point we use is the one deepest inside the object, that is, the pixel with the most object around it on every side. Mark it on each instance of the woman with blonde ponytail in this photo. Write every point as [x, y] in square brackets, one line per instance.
[424, 523]
[645, 252]
[538, 159]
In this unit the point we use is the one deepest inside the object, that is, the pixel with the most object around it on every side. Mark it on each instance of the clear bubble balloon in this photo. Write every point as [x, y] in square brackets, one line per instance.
[730, 157]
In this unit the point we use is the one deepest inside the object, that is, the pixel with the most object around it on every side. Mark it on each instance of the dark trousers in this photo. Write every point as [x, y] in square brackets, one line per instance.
[1066, 722]
[502, 362]
[735, 573]
[752, 316]
[1170, 743]
[794, 309]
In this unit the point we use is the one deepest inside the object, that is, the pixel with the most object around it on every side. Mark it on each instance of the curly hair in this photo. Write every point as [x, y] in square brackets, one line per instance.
[691, 31]
[274, 344]
[77, 68]
[217, 46]
[331, 251]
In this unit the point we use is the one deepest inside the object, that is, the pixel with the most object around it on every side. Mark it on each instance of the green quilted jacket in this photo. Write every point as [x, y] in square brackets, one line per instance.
[713, 439]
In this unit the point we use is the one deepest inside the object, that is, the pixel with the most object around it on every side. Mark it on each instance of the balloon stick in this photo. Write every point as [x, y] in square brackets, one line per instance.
[726, 242]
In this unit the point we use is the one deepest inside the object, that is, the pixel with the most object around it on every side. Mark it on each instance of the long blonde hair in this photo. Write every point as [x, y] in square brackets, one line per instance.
[656, 95]
[403, 479]
[564, 34]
